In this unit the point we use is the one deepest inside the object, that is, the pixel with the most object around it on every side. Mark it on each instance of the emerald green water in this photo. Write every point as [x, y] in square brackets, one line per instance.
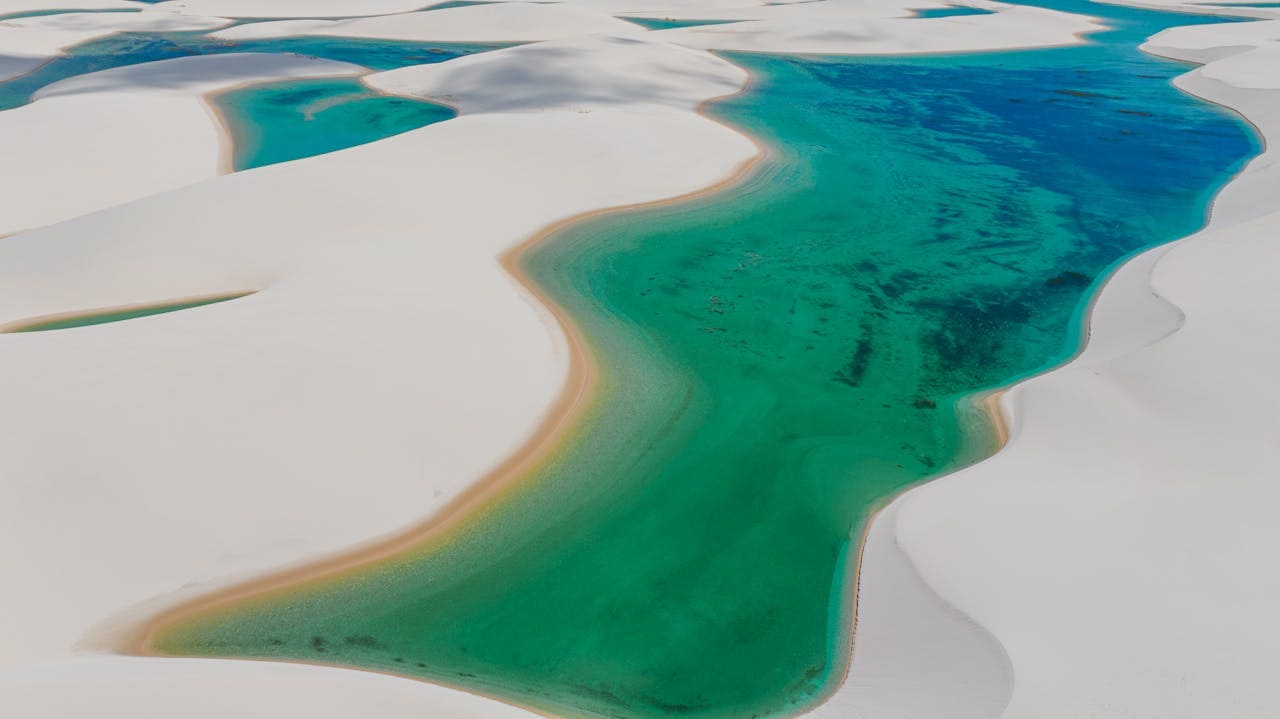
[669, 23]
[104, 316]
[776, 361]
[283, 121]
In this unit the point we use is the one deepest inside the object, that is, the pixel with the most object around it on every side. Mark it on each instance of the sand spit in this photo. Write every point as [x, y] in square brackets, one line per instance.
[1116, 549]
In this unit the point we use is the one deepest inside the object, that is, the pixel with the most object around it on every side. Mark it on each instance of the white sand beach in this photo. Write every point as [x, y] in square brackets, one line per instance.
[386, 363]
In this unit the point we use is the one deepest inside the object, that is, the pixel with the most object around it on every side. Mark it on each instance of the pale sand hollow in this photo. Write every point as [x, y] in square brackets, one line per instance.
[102, 139]
[1114, 559]
[26, 43]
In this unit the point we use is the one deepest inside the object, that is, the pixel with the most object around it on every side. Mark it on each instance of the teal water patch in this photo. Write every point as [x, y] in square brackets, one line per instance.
[98, 317]
[456, 3]
[61, 11]
[775, 361]
[135, 48]
[670, 23]
[950, 11]
[282, 121]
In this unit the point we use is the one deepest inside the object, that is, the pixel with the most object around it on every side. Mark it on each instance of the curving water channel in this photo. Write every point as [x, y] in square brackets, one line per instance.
[776, 361]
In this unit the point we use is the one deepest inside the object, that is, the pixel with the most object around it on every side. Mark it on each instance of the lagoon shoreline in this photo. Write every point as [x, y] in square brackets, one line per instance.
[573, 398]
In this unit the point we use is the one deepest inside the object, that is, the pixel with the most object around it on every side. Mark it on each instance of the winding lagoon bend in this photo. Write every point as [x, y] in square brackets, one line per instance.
[776, 361]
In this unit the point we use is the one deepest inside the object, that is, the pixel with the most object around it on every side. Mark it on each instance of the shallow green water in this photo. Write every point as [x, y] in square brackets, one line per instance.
[100, 317]
[283, 121]
[777, 360]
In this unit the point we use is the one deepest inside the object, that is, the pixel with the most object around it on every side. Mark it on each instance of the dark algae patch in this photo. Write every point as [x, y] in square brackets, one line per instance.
[776, 360]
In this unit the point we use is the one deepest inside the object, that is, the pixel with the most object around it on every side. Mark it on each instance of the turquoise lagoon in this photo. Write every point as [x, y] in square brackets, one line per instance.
[134, 48]
[778, 360]
[272, 122]
[283, 121]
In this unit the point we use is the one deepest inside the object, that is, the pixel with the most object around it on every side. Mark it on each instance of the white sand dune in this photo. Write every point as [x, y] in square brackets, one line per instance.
[493, 22]
[106, 138]
[838, 27]
[295, 8]
[1202, 7]
[551, 76]
[1119, 548]
[10, 7]
[26, 43]
[851, 31]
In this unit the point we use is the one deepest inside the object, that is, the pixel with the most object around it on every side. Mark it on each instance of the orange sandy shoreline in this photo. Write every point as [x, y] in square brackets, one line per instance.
[574, 398]
[987, 402]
